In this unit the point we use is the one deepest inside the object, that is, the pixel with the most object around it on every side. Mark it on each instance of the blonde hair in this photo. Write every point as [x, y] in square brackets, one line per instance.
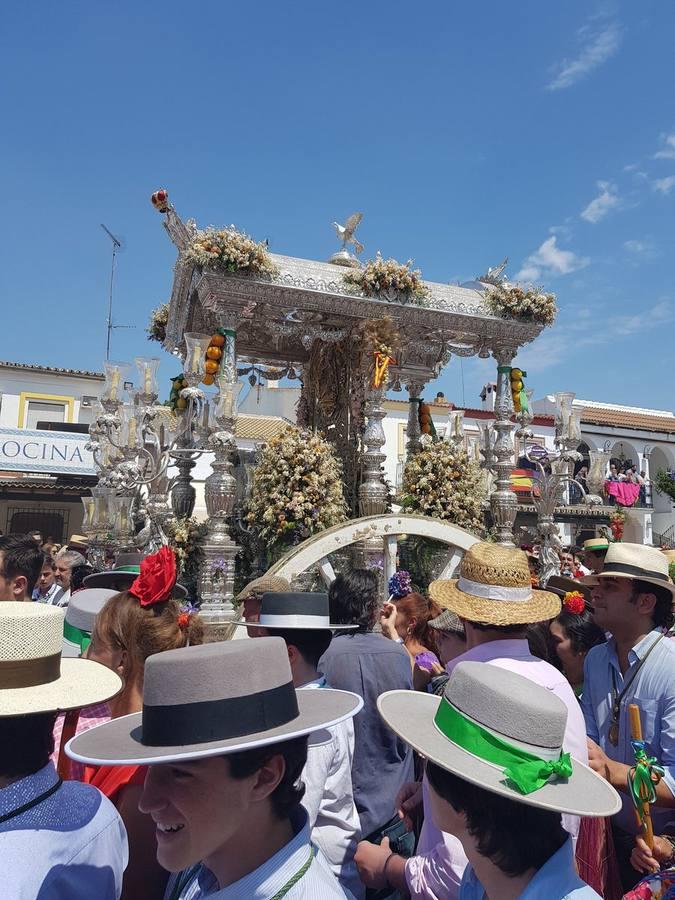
[124, 624]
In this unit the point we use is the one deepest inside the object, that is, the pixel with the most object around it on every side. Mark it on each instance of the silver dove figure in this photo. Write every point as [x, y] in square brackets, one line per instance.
[346, 232]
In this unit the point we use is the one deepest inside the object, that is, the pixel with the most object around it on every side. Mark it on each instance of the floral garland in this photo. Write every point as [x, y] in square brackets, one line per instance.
[617, 522]
[159, 319]
[509, 301]
[296, 490]
[231, 250]
[387, 276]
[186, 538]
[440, 480]
[665, 483]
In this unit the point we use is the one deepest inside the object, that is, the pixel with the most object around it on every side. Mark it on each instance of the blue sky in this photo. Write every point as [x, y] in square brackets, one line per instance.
[464, 132]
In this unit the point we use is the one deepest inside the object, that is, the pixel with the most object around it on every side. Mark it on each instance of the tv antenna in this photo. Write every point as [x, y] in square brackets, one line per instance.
[116, 245]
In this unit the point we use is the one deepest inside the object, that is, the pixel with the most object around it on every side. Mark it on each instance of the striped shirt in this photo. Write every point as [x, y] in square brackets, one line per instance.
[317, 882]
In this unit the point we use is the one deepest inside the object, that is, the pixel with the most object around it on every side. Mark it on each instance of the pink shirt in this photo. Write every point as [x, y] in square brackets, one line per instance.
[435, 873]
[89, 717]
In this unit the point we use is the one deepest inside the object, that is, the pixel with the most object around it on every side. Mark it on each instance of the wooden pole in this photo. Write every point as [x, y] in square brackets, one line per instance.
[636, 735]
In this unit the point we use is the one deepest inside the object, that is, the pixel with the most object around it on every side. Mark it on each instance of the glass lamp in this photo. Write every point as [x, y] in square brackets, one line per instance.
[195, 357]
[114, 380]
[147, 375]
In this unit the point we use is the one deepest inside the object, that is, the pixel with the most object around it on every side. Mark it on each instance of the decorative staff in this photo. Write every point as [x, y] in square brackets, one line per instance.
[642, 777]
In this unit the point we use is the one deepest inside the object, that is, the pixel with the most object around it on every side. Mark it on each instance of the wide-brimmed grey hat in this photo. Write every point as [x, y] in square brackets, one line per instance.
[295, 610]
[515, 730]
[447, 621]
[210, 700]
[122, 576]
[636, 562]
[81, 613]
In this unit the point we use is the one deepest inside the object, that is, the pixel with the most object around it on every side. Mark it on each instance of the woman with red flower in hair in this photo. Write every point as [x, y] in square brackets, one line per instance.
[574, 633]
[133, 625]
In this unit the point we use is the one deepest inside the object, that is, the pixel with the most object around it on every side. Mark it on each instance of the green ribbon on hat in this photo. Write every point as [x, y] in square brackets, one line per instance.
[76, 636]
[134, 570]
[528, 773]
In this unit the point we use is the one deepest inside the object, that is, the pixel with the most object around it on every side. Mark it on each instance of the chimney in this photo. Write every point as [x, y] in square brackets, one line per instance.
[488, 395]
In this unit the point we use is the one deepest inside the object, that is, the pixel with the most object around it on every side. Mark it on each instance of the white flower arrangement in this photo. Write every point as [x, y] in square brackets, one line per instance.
[440, 480]
[231, 250]
[388, 278]
[510, 301]
[159, 319]
[296, 490]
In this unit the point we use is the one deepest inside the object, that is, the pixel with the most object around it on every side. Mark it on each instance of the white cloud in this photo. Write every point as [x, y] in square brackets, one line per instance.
[597, 44]
[606, 200]
[640, 250]
[550, 259]
[664, 185]
[644, 320]
[668, 151]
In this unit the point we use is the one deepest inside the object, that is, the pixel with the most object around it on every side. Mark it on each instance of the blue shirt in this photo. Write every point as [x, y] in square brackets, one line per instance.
[369, 664]
[653, 690]
[317, 883]
[556, 880]
[71, 846]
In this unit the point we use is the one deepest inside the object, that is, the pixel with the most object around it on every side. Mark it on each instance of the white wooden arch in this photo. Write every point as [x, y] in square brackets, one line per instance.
[315, 551]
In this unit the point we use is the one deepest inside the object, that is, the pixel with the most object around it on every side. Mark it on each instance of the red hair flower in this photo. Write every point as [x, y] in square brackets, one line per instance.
[574, 602]
[158, 576]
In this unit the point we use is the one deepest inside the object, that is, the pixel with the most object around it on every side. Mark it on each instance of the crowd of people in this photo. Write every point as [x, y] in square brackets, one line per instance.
[473, 743]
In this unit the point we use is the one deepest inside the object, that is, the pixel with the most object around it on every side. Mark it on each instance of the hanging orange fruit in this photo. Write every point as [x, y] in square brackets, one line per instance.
[208, 379]
[217, 340]
[210, 367]
[214, 353]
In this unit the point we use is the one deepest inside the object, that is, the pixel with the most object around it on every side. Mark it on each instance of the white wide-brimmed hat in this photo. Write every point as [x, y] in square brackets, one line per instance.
[297, 611]
[33, 676]
[636, 562]
[81, 613]
[494, 587]
[501, 732]
[210, 700]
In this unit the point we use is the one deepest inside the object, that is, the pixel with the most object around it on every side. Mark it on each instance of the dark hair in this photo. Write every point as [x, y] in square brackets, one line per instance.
[312, 644]
[26, 743]
[353, 599]
[287, 795]
[21, 556]
[77, 576]
[502, 629]
[581, 630]
[540, 643]
[662, 614]
[47, 560]
[416, 606]
[513, 836]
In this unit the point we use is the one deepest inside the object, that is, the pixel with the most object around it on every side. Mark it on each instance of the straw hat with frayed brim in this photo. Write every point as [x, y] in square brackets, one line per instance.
[636, 562]
[210, 700]
[485, 705]
[263, 585]
[494, 588]
[33, 676]
[126, 571]
[295, 611]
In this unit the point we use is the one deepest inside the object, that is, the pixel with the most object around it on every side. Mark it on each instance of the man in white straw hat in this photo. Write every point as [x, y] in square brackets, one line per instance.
[494, 598]
[57, 839]
[499, 780]
[302, 621]
[224, 734]
[633, 599]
